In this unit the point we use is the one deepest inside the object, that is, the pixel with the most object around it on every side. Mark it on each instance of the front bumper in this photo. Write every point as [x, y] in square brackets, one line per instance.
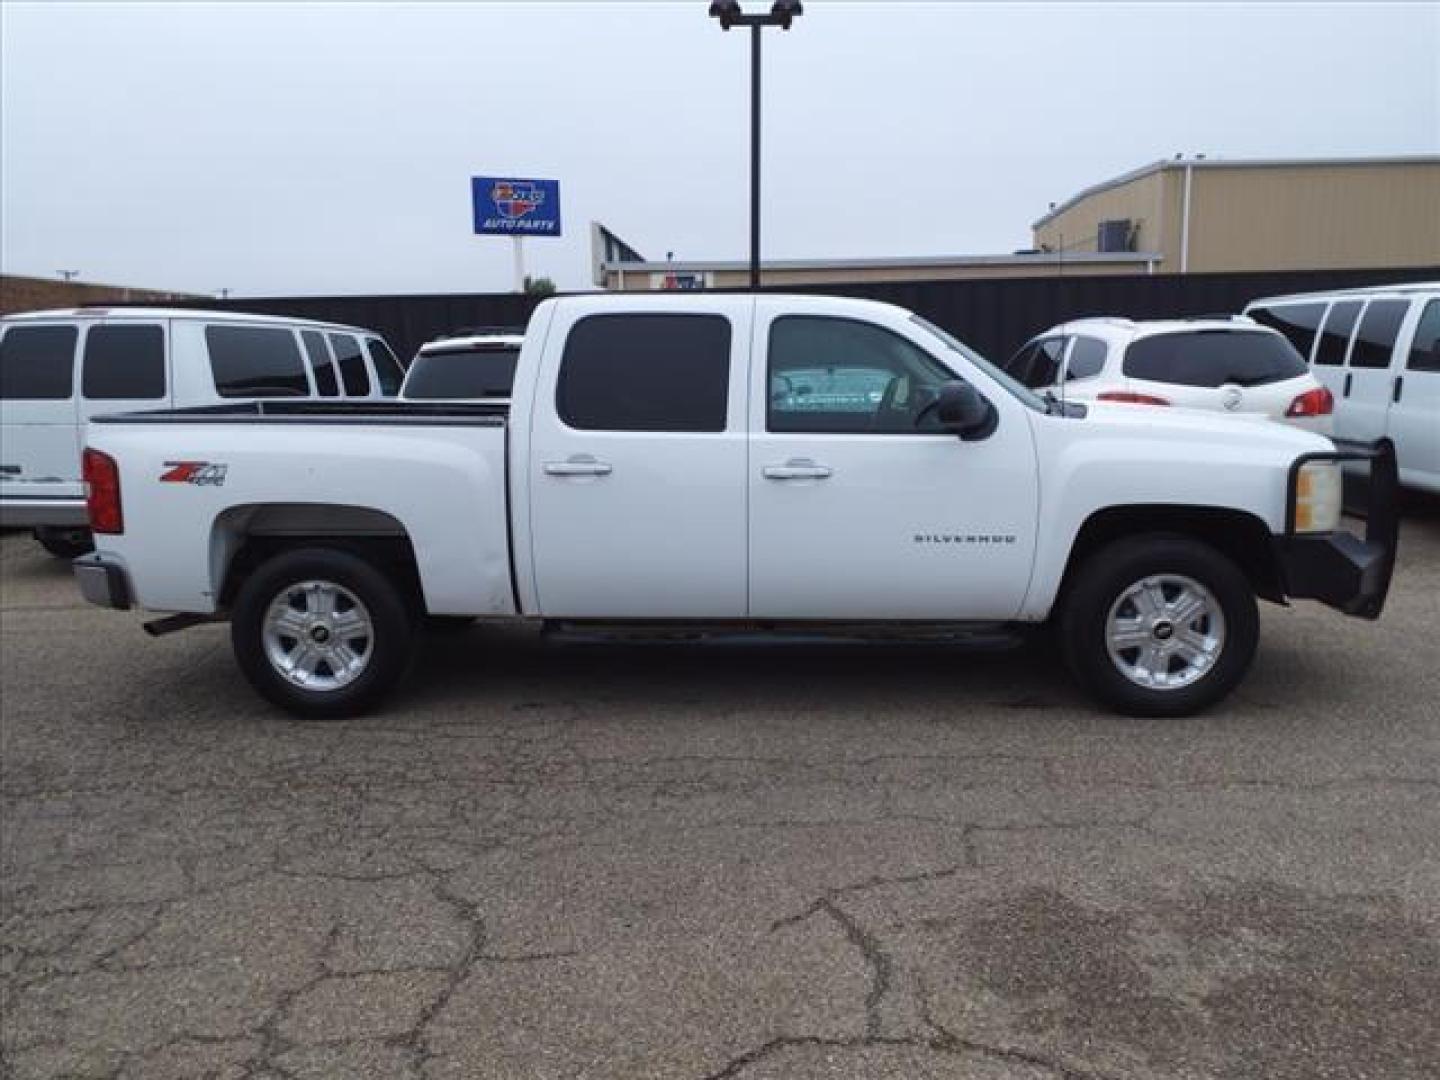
[102, 582]
[1341, 569]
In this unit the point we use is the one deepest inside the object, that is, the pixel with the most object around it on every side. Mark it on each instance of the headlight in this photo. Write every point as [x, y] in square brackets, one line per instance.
[1318, 497]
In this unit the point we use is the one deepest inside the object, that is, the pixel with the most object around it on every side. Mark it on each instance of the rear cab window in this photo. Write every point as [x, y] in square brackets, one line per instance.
[256, 361]
[645, 372]
[476, 371]
[1213, 358]
[37, 363]
[124, 361]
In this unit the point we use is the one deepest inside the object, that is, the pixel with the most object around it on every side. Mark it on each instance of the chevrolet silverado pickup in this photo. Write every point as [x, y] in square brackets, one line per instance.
[725, 463]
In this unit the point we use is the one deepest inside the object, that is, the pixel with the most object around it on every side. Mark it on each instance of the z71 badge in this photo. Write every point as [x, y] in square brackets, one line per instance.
[202, 473]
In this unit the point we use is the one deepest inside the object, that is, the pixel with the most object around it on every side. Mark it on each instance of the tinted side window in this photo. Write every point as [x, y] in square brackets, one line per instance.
[320, 363]
[1425, 347]
[352, 364]
[467, 373]
[1379, 326]
[646, 373]
[124, 362]
[1087, 358]
[387, 369]
[1213, 358]
[1298, 322]
[1045, 368]
[1018, 366]
[843, 376]
[37, 363]
[1335, 334]
[256, 361]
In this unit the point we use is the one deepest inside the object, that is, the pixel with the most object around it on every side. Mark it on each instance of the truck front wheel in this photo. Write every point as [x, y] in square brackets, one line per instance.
[1159, 625]
[321, 632]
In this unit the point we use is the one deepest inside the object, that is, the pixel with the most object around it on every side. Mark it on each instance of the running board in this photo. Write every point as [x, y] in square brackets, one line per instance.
[971, 635]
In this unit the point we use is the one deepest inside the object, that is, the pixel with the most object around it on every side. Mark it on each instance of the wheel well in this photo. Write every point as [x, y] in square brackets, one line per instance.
[1242, 537]
[245, 537]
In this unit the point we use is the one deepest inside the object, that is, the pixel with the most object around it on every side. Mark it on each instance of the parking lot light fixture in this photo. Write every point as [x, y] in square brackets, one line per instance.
[782, 14]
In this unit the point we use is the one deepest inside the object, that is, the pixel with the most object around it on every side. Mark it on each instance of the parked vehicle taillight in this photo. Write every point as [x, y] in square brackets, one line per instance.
[1317, 402]
[1128, 398]
[102, 492]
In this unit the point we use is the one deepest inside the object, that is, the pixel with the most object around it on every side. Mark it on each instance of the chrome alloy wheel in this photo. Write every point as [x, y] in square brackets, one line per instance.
[1165, 632]
[318, 635]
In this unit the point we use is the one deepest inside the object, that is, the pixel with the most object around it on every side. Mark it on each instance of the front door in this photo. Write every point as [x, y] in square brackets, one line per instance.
[637, 463]
[859, 507]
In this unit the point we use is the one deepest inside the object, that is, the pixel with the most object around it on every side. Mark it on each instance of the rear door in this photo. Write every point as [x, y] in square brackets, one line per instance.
[1370, 382]
[1414, 417]
[637, 462]
[39, 421]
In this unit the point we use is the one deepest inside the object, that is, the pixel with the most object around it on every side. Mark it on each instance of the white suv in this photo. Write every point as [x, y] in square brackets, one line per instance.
[475, 364]
[1231, 365]
[59, 368]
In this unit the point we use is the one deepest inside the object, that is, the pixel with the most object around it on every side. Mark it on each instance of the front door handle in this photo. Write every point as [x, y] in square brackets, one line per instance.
[578, 465]
[797, 469]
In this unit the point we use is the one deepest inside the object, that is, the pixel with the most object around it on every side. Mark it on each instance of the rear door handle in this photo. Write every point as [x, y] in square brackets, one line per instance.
[797, 469]
[578, 465]
[1399, 385]
[1349, 375]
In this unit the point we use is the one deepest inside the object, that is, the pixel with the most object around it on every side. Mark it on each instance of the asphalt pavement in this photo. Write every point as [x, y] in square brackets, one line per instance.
[609, 861]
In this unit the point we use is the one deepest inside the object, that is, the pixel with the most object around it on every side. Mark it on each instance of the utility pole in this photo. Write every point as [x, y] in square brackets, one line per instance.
[782, 14]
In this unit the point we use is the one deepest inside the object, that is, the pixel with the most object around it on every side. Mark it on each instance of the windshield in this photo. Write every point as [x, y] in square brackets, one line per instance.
[1016, 389]
[482, 372]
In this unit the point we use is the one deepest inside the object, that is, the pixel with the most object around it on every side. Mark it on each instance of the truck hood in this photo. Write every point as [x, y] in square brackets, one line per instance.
[1249, 429]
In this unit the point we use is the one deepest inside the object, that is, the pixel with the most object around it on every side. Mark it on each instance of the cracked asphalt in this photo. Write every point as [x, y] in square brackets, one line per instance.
[611, 861]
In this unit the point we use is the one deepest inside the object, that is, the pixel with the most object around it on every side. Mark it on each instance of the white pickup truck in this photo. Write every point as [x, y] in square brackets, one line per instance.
[725, 463]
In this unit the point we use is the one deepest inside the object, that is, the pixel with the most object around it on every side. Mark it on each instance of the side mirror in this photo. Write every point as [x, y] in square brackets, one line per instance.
[963, 412]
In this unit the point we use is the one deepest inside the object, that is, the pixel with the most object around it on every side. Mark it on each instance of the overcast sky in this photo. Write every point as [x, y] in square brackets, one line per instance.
[281, 149]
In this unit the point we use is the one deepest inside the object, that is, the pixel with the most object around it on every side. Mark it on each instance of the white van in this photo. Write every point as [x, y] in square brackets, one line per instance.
[59, 368]
[1378, 350]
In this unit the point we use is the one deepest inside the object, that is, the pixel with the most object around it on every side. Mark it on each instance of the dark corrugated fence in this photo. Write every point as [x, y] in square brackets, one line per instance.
[995, 315]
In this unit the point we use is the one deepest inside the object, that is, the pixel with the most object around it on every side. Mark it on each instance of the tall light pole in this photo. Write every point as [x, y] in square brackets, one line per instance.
[782, 14]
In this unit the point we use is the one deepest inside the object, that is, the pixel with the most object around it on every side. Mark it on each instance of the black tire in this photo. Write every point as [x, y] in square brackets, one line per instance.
[1106, 576]
[65, 543]
[389, 650]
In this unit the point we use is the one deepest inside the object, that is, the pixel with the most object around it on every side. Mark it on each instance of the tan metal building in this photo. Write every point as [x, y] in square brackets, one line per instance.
[617, 266]
[1201, 215]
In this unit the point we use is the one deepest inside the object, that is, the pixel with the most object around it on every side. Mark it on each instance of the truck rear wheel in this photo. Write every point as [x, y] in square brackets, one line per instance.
[321, 632]
[1159, 625]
